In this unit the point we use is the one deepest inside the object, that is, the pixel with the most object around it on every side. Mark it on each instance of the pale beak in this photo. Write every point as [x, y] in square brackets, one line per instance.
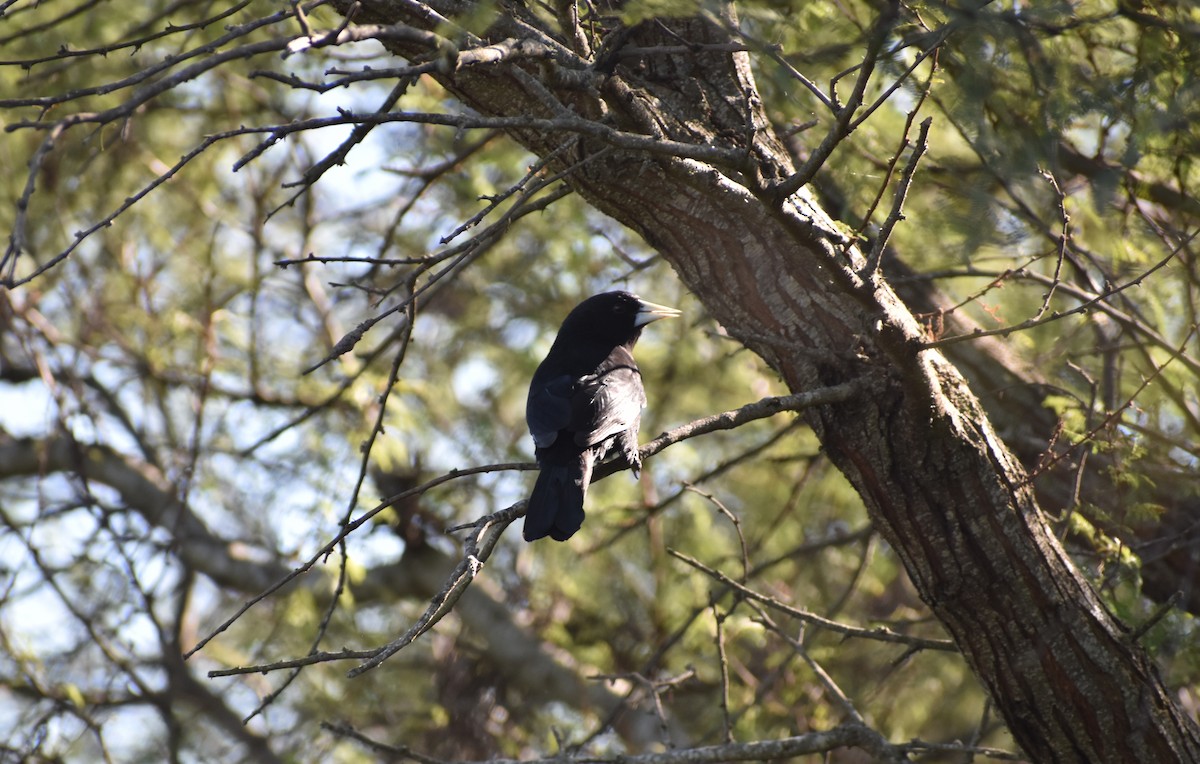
[648, 312]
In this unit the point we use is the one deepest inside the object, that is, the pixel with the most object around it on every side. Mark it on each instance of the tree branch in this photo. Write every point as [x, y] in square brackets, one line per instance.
[879, 633]
[487, 530]
[843, 736]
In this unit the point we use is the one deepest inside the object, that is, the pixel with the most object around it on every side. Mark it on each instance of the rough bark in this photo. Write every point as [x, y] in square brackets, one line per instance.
[939, 483]
[1014, 395]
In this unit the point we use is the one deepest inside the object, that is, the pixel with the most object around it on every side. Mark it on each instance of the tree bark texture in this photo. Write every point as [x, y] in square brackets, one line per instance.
[781, 278]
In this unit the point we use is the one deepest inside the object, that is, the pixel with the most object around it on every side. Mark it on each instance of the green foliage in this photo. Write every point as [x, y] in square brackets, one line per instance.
[643, 10]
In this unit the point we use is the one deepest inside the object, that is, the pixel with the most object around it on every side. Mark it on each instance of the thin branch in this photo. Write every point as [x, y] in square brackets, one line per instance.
[1159, 613]
[879, 633]
[654, 689]
[842, 736]
[733, 519]
[897, 213]
[562, 123]
[275, 133]
[999, 754]
[17, 238]
[410, 316]
[349, 528]
[293, 663]
[1092, 301]
[316, 408]
[721, 468]
[388, 261]
[930, 50]
[378, 32]
[343, 555]
[1064, 238]
[479, 546]
[729, 420]
[1115, 414]
[488, 529]
[831, 687]
[451, 58]
[723, 662]
[396, 752]
[460, 254]
[157, 87]
[772, 52]
[337, 157]
[532, 173]
[65, 52]
[843, 124]
[56, 129]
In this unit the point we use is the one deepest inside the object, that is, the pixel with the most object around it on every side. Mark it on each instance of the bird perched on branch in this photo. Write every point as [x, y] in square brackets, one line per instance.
[585, 399]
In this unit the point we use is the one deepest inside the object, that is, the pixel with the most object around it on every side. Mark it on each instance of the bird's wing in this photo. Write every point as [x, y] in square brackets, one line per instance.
[548, 408]
[608, 402]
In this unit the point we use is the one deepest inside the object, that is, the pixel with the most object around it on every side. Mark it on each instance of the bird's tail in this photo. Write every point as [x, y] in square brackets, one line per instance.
[556, 504]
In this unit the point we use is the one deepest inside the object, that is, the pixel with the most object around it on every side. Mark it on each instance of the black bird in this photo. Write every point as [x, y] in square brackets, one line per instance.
[586, 398]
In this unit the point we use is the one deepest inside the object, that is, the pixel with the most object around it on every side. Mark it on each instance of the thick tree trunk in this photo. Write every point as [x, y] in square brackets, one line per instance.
[1014, 396]
[779, 276]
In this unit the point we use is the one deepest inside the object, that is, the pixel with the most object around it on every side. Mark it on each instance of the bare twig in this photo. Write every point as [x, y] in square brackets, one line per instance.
[844, 123]
[654, 688]
[930, 49]
[215, 57]
[531, 174]
[338, 156]
[1116, 413]
[897, 213]
[380, 32]
[293, 663]
[488, 529]
[55, 129]
[479, 546]
[729, 420]
[275, 133]
[64, 52]
[1159, 613]
[720, 468]
[17, 239]
[842, 736]
[733, 519]
[396, 752]
[831, 687]
[773, 52]
[562, 123]
[879, 633]
[723, 662]
[1090, 301]
[1064, 238]
[999, 754]
[458, 256]
[346, 531]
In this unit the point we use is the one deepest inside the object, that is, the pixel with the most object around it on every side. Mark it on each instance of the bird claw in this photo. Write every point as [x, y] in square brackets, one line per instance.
[634, 461]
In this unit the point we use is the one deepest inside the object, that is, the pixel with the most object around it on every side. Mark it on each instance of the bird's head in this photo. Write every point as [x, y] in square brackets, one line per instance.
[614, 318]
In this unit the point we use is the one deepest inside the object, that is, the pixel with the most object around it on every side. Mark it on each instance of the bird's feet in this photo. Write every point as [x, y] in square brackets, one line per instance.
[632, 458]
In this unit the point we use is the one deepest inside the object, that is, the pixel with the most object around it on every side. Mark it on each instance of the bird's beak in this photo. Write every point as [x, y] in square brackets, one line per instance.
[650, 312]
